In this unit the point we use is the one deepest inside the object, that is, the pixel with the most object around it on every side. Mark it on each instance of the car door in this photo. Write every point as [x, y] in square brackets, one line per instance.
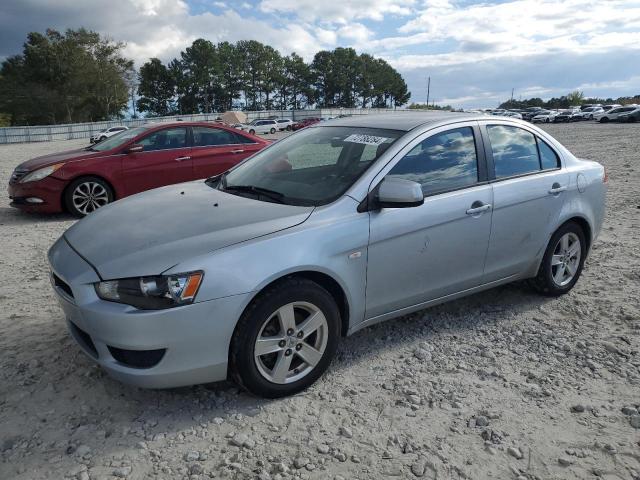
[216, 150]
[164, 160]
[423, 253]
[256, 126]
[622, 111]
[528, 193]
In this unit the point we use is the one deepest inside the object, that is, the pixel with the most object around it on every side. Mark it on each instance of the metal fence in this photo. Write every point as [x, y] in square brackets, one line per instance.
[48, 133]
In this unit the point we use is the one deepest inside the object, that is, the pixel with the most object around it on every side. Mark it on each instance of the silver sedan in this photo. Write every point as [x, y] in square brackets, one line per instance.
[255, 275]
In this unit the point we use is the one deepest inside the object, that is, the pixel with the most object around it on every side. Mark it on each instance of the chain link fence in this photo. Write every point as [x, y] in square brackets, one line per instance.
[48, 133]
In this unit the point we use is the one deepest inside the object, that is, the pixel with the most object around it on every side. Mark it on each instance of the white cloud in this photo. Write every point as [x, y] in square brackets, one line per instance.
[343, 11]
[517, 28]
[471, 50]
[326, 36]
[355, 32]
[153, 8]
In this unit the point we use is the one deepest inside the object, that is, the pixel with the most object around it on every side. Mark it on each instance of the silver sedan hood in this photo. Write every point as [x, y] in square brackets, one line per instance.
[148, 233]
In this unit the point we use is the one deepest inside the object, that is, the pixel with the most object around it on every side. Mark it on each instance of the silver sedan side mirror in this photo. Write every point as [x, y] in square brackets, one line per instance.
[399, 193]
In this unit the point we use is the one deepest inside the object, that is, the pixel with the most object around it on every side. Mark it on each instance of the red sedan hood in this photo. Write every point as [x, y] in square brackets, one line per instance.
[54, 158]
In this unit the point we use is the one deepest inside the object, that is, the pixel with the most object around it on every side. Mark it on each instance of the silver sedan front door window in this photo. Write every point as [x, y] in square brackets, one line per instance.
[421, 253]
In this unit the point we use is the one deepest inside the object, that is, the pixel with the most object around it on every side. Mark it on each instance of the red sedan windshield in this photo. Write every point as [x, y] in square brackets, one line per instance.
[118, 139]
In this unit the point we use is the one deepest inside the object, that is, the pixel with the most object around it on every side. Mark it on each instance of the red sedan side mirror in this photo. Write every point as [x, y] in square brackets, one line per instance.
[135, 148]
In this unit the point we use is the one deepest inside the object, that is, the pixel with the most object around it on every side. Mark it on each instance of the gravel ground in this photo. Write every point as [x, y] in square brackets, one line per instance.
[503, 384]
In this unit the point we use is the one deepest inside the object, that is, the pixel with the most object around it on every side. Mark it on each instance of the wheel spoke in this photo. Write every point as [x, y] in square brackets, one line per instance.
[287, 318]
[265, 345]
[559, 275]
[574, 249]
[281, 368]
[311, 324]
[564, 243]
[309, 354]
[556, 260]
[571, 269]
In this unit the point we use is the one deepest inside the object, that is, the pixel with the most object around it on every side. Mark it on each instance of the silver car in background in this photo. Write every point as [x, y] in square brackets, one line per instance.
[256, 274]
[109, 132]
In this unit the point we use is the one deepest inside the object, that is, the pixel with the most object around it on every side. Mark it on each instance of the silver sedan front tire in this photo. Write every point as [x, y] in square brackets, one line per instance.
[285, 339]
[291, 342]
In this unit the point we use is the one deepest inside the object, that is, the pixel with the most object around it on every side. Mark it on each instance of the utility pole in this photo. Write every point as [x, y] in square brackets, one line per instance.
[511, 97]
[428, 90]
[133, 101]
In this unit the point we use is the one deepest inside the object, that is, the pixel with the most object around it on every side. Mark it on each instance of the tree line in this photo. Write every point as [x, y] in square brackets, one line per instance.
[75, 76]
[80, 76]
[210, 77]
[574, 98]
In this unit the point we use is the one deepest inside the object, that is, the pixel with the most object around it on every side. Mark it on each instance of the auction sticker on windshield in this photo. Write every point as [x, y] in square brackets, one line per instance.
[365, 139]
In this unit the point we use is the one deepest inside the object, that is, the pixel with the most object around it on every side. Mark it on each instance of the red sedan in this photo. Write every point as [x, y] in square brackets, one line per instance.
[139, 159]
[306, 122]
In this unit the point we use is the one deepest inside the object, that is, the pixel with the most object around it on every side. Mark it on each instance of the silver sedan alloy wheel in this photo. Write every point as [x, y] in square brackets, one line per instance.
[291, 342]
[89, 196]
[566, 259]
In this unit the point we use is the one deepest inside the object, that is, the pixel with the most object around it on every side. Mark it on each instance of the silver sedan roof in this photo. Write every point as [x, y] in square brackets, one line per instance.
[403, 120]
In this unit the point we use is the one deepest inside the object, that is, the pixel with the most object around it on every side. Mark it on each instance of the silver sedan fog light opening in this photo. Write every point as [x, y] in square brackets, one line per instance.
[291, 342]
[152, 293]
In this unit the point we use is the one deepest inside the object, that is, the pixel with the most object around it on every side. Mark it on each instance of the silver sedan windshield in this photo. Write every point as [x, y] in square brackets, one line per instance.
[312, 167]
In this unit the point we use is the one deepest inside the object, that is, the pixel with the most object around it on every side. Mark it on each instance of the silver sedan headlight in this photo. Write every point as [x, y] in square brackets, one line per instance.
[152, 293]
[40, 173]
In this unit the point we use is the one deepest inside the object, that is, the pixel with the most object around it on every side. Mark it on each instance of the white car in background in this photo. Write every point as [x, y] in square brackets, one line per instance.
[260, 127]
[109, 132]
[500, 112]
[285, 124]
[545, 116]
[606, 108]
[613, 114]
[589, 112]
[511, 114]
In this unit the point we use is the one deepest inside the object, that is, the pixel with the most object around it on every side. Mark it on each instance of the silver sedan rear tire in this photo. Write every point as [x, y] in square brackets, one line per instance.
[563, 261]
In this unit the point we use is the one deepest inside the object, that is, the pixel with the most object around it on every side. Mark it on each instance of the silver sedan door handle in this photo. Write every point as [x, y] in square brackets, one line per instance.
[179, 159]
[237, 151]
[478, 207]
[557, 188]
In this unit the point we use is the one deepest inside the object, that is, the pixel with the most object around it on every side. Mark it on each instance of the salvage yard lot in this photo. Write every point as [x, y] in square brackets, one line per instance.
[502, 384]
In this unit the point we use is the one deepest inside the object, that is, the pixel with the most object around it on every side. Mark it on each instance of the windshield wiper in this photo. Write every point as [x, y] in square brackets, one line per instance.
[272, 194]
[90, 149]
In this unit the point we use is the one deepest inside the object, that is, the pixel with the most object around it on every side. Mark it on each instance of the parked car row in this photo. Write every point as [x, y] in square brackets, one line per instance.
[599, 113]
[628, 113]
[263, 126]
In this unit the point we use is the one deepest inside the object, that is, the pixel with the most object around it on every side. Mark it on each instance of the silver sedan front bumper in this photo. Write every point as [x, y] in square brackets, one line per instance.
[147, 348]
